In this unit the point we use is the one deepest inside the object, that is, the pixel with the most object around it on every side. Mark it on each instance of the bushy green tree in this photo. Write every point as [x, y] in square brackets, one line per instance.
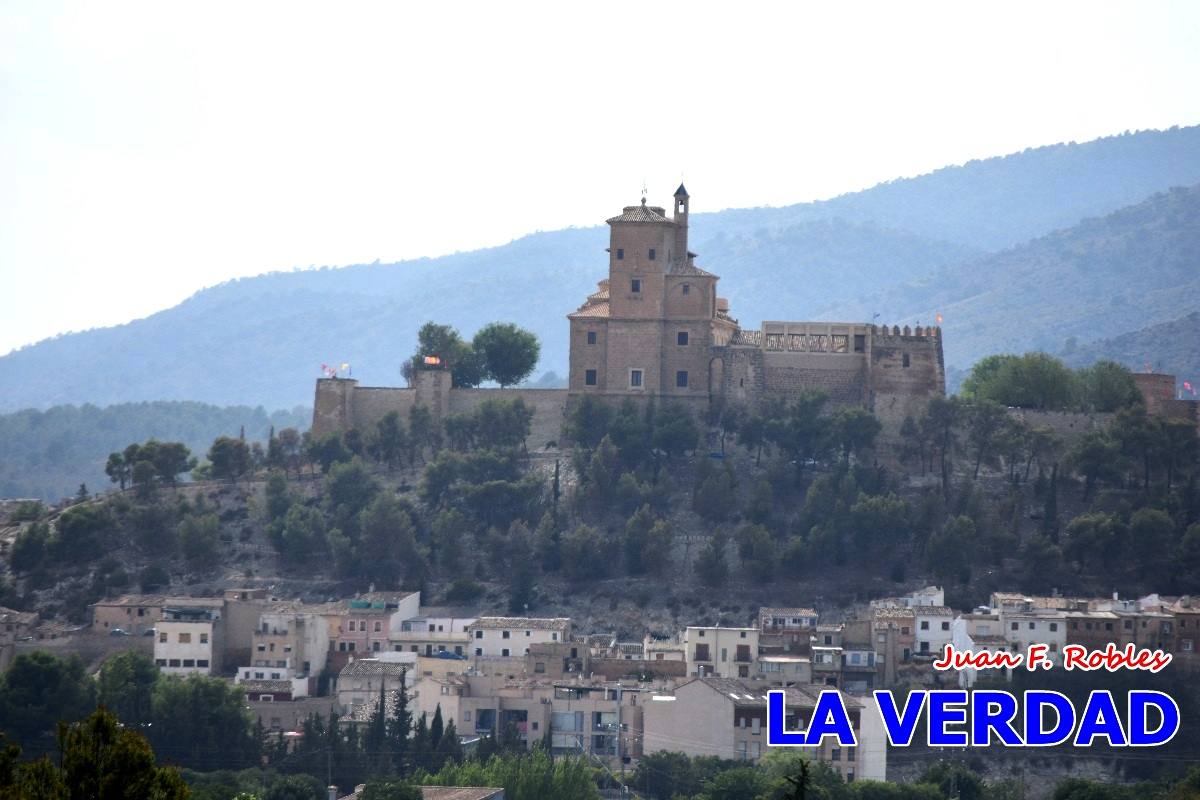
[509, 353]
[229, 457]
[950, 550]
[37, 691]
[126, 687]
[711, 566]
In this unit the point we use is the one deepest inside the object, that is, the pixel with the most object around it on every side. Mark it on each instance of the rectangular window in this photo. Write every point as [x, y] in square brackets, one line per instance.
[1053, 626]
[162, 637]
[635, 285]
[185, 638]
[504, 634]
[681, 338]
[478, 652]
[906, 360]
[635, 379]
[924, 624]
[681, 379]
[652, 254]
[591, 337]
[189, 662]
[377, 627]
[204, 638]
[945, 626]
[860, 343]
[162, 662]
[620, 254]
[1014, 626]
[687, 289]
[174, 662]
[478, 634]
[589, 377]
[504, 652]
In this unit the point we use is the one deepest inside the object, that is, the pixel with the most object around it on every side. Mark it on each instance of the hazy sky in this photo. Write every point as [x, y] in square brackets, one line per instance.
[150, 149]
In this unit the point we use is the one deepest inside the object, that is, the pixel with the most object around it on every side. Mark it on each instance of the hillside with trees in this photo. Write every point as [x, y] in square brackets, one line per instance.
[1171, 347]
[263, 339]
[47, 454]
[1098, 279]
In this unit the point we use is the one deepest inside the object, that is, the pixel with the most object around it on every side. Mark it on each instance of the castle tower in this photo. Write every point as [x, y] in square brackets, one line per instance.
[648, 330]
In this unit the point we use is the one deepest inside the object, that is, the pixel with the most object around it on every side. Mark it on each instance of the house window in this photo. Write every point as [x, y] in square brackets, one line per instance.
[652, 254]
[681, 379]
[681, 338]
[504, 652]
[162, 637]
[375, 646]
[589, 377]
[204, 638]
[1053, 626]
[527, 634]
[377, 628]
[635, 379]
[185, 638]
[478, 652]
[591, 338]
[1015, 626]
[924, 624]
[687, 289]
[620, 254]
[635, 285]
[945, 626]
[860, 343]
[540, 666]
[478, 634]
[174, 662]
[505, 635]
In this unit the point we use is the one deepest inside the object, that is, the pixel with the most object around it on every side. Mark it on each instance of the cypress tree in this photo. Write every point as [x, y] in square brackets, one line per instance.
[399, 727]
[435, 728]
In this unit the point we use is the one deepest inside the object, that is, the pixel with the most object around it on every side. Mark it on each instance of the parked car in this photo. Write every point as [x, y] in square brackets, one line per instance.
[118, 632]
[149, 632]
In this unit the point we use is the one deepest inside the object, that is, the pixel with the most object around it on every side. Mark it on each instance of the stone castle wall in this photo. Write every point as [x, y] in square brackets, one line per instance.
[906, 371]
[549, 409]
[341, 404]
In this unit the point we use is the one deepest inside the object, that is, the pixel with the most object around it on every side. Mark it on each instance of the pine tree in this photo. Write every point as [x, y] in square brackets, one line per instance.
[1050, 510]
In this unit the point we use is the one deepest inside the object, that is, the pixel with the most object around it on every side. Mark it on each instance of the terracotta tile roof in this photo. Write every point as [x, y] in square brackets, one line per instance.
[9, 616]
[373, 666]
[459, 793]
[266, 686]
[894, 613]
[682, 268]
[592, 310]
[523, 623]
[787, 612]
[933, 611]
[642, 213]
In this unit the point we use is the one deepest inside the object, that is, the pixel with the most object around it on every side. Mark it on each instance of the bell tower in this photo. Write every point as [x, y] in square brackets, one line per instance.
[680, 217]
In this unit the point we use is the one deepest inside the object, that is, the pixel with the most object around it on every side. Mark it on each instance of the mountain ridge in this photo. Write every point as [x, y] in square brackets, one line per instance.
[261, 340]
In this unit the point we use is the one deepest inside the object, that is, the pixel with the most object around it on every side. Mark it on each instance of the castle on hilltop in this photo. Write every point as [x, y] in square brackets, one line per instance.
[656, 328]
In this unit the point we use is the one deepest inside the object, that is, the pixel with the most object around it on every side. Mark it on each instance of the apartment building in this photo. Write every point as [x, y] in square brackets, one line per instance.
[727, 718]
[361, 681]
[724, 652]
[189, 639]
[365, 624]
[932, 632]
[288, 645]
[510, 637]
[980, 631]
[429, 635]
